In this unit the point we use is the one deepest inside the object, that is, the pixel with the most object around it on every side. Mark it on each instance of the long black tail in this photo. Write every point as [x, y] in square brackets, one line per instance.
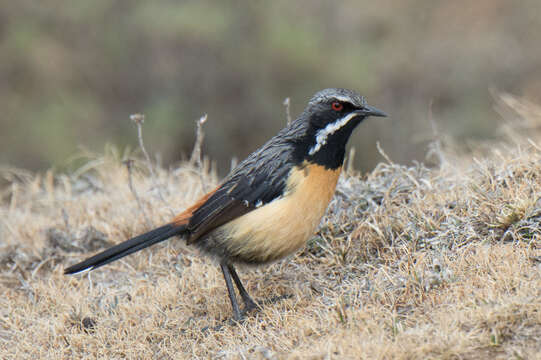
[127, 247]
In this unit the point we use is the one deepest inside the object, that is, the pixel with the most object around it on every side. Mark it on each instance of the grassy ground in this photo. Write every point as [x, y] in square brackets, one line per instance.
[409, 263]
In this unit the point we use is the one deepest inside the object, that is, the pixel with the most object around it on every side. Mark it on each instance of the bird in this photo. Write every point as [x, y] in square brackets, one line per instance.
[271, 203]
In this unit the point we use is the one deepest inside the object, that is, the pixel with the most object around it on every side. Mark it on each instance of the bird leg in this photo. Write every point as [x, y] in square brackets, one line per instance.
[249, 304]
[231, 291]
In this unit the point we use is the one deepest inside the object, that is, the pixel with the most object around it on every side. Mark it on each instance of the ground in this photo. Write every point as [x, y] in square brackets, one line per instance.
[409, 262]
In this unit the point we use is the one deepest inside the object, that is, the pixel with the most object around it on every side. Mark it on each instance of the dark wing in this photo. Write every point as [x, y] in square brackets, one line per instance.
[258, 180]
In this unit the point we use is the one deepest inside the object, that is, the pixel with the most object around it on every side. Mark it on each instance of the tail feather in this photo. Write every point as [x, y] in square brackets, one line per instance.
[127, 247]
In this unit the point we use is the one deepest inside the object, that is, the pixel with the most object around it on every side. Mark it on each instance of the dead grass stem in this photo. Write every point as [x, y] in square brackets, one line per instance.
[410, 262]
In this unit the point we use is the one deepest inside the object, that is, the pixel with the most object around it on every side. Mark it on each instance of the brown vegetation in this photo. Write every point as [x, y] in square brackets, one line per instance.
[409, 262]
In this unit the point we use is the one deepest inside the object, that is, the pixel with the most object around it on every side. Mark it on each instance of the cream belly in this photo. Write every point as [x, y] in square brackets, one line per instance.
[282, 226]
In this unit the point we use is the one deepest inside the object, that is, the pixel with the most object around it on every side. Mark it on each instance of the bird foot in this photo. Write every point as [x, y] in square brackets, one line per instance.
[249, 307]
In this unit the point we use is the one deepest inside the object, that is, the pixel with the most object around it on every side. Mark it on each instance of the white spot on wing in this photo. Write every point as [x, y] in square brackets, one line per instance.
[323, 134]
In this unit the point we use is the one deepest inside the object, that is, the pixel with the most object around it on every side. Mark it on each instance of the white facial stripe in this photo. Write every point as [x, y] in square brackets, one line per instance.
[323, 134]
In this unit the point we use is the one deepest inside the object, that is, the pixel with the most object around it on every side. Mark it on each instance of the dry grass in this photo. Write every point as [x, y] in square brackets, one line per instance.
[409, 263]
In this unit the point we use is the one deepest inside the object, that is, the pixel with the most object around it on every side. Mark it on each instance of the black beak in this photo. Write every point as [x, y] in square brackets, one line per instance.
[371, 111]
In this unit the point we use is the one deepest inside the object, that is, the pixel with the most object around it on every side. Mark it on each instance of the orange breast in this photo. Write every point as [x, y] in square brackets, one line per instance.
[284, 225]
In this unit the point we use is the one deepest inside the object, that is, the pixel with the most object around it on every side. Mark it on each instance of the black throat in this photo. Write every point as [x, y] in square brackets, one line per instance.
[329, 151]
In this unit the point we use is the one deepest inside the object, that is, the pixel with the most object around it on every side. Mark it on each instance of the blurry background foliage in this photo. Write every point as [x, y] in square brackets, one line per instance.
[72, 72]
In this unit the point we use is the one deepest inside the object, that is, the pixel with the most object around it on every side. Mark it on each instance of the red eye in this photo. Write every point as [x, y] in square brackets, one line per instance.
[337, 106]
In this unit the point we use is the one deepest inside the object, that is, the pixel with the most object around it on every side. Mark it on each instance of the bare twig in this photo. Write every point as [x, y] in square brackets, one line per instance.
[351, 159]
[385, 156]
[195, 159]
[234, 163]
[139, 119]
[287, 103]
[129, 165]
[435, 146]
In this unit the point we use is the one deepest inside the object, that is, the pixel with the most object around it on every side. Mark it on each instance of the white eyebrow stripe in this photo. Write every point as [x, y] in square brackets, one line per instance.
[323, 134]
[348, 99]
[342, 98]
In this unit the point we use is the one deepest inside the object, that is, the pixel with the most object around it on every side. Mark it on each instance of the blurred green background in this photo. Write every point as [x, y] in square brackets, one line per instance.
[71, 73]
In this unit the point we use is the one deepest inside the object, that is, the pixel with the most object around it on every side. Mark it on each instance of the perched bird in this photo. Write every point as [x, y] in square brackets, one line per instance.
[272, 202]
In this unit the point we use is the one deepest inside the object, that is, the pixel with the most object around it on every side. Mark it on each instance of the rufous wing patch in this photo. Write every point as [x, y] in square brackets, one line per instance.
[184, 217]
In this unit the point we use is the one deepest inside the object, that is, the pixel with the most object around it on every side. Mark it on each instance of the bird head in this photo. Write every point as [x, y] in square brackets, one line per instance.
[332, 115]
